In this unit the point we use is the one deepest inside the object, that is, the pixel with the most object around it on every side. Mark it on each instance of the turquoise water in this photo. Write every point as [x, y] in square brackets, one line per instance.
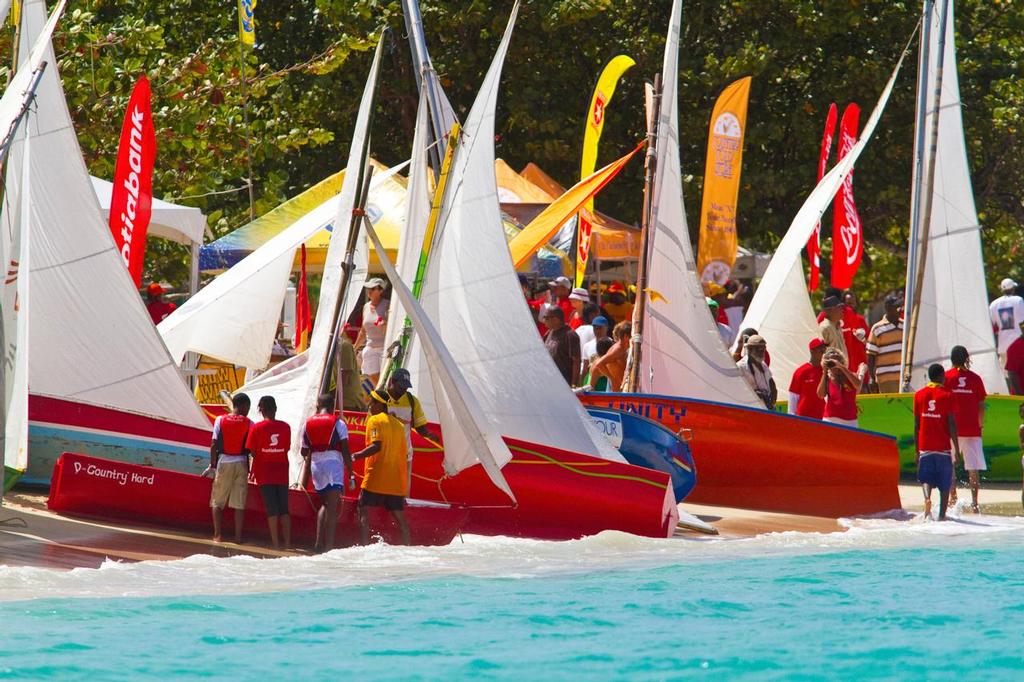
[943, 605]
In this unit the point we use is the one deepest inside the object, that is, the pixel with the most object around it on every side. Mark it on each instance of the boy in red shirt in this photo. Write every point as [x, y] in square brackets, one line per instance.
[935, 431]
[803, 387]
[968, 392]
[269, 442]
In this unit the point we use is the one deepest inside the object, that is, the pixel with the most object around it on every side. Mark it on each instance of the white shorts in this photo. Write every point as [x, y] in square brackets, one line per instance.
[844, 422]
[371, 360]
[974, 456]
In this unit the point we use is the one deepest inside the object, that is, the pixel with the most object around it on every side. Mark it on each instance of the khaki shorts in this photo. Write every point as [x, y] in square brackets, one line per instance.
[230, 485]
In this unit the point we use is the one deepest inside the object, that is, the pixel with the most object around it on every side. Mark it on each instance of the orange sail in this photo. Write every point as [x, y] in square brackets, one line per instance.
[544, 226]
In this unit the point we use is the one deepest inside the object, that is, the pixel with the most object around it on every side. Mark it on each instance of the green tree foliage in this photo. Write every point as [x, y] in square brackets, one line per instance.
[304, 79]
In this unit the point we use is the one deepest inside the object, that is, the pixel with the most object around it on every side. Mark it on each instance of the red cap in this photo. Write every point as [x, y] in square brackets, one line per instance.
[155, 289]
[815, 343]
[616, 288]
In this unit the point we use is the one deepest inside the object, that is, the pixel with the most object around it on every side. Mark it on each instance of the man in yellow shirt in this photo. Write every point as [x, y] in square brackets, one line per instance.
[386, 479]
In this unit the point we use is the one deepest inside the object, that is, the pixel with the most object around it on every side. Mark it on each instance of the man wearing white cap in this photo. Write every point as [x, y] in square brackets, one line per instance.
[375, 325]
[558, 296]
[1007, 313]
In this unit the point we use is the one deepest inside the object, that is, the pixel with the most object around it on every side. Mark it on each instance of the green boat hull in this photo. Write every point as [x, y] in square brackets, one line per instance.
[894, 414]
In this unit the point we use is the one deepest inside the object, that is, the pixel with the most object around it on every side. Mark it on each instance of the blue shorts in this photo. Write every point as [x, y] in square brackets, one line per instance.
[327, 488]
[936, 469]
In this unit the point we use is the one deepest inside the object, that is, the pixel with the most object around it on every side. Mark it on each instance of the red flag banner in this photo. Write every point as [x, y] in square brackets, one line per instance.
[131, 202]
[814, 243]
[847, 238]
[303, 324]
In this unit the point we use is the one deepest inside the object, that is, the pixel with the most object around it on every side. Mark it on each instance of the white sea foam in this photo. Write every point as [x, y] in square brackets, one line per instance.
[488, 557]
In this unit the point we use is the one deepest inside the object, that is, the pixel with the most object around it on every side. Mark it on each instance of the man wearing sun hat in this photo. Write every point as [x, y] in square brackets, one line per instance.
[1007, 314]
[803, 388]
[156, 306]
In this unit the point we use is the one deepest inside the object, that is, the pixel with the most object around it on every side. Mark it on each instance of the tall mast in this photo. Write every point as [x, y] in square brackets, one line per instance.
[355, 223]
[650, 166]
[920, 220]
[424, 69]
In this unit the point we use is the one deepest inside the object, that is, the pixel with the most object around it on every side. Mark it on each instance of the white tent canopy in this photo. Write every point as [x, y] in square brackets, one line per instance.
[182, 224]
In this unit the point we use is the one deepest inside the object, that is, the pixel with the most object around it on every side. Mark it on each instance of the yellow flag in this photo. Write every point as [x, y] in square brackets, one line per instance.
[15, 13]
[591, 136]
[246, 22]
[544, 226]
[716, 251]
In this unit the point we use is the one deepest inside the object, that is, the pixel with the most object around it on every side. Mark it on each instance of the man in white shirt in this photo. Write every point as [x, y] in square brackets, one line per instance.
[599, 329]
[754, 368]
[1006, 313]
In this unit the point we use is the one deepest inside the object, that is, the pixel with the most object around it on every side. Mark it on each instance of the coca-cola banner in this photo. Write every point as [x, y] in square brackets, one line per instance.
[131, 202]
[814, 243]
[847, 237]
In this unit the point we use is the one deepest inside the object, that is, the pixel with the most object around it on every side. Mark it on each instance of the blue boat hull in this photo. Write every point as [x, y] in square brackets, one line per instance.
[646, 443]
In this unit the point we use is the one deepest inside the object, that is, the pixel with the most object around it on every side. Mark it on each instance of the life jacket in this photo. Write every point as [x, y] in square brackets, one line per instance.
[234, 428]
[320, 431]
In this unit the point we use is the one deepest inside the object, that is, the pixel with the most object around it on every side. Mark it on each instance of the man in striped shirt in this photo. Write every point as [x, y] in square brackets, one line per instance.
[884, 349]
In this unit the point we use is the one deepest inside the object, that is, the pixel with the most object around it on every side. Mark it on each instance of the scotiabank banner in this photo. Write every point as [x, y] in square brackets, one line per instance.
[131, 203]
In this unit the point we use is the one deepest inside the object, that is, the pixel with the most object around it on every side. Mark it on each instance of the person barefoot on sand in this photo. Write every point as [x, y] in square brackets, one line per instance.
[935, 432]
[229, 465]
[386, 482]
[328, 463]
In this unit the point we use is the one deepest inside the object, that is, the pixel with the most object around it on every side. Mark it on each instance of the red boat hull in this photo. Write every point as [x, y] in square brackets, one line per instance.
[756, 459]
[561, 495]
[99, 488]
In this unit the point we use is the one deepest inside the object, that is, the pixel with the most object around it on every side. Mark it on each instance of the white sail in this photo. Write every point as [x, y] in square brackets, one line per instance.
[954, 300]
[682, 352]
[770, 300]
[92, 339]
[417, 212]
[790, 326]
[234, 318]
[5, 8]
[14, 300]
[472, 293]
[330, 284]
[469, 437]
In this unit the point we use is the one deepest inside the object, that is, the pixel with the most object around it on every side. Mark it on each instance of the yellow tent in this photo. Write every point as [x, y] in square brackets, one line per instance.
[386, 209]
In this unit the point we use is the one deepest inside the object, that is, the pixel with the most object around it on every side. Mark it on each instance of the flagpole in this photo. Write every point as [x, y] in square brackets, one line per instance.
[248, 132]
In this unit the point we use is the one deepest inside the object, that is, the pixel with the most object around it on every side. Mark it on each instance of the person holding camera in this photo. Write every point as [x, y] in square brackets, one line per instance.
[839, 387]
[755, 369]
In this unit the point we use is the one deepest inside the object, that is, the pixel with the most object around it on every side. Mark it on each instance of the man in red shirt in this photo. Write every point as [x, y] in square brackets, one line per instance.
[935, 431]
[1015, 365]
[855, 332]
[269, 442]
[229, 464]
[968, 391]
[156, 306]
[803, 388]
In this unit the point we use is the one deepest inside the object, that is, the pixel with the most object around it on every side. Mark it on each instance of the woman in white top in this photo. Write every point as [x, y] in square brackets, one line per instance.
[375, 324]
